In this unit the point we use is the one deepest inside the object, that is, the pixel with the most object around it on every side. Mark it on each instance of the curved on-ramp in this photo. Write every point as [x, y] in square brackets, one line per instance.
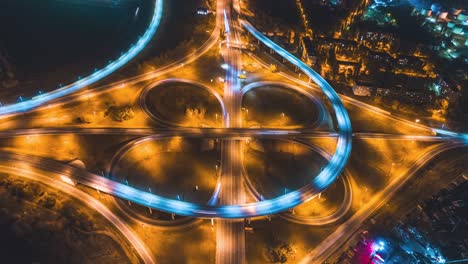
[321, 108]
[284, 202]
[132, 144]
[267, 207]
[22, 168]
[179, 63]
[305, 220]
[335, 240]
[98, 75]
[144, 94]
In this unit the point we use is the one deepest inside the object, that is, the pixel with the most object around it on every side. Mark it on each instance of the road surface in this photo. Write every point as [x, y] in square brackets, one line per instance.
[229, 189]
[23, 169]
[230, 235]
[335, 240]
[96, 76]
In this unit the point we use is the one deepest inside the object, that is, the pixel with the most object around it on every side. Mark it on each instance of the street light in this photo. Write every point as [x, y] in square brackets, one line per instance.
[391, 168]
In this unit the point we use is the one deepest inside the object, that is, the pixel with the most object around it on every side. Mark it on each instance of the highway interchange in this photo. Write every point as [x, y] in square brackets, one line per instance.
[228, 201]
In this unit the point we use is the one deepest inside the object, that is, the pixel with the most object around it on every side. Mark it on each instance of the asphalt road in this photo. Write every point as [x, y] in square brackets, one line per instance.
[96, 76]
[336, 240]
[24, 169]
[230, 235]
[232, 197]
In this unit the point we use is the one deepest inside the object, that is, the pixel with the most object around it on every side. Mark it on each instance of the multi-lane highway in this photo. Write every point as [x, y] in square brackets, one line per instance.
[279, 204]
[230, 236]
[335, 240]
[48, 174]
[340, 153]
[239, 133]
[228, 200]
[265, 207]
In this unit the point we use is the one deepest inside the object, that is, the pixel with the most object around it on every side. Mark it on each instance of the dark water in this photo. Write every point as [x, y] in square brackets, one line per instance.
[52, 40]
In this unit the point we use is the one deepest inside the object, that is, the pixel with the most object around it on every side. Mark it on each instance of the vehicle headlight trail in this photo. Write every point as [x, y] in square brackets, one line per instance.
[265, 207]
[96, 76]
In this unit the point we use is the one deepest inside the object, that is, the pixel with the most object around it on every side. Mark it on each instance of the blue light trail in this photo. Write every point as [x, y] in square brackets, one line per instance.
[96, 76]
[265, 207]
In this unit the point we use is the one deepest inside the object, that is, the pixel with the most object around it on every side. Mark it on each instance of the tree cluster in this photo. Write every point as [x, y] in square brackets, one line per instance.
[121, 114]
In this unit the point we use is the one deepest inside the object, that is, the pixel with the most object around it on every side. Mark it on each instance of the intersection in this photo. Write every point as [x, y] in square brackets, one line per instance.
[234, 198]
